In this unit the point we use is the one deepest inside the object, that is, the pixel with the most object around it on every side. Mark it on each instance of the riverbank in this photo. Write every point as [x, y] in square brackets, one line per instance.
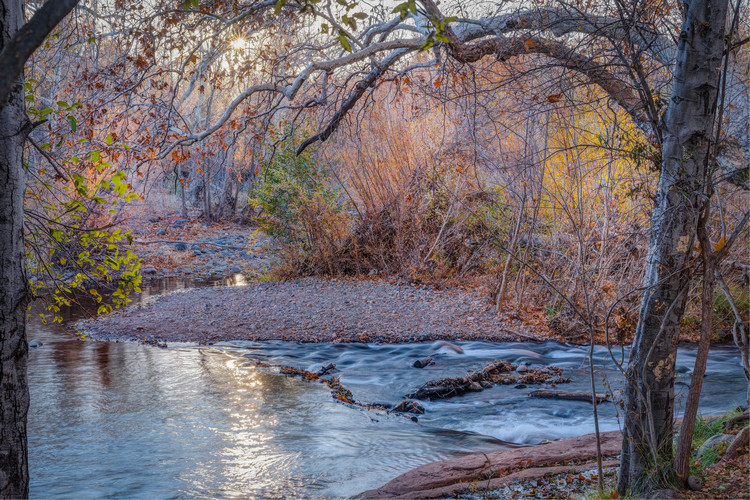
[317, 310]
[563, 469]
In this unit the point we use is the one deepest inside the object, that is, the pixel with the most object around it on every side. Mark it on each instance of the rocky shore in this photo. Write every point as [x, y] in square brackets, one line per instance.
[314, 310]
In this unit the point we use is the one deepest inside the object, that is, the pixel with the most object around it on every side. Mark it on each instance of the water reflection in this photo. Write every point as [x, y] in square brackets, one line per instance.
[123, 420]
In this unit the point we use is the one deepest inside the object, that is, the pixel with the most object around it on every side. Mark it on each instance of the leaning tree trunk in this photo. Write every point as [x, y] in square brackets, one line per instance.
[687, 130]
[14, 390]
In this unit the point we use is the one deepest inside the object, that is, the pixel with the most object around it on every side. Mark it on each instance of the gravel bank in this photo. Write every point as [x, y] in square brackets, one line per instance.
[312, 310]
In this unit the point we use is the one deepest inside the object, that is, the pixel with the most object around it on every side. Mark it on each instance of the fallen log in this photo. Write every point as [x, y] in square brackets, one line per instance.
[570, 396]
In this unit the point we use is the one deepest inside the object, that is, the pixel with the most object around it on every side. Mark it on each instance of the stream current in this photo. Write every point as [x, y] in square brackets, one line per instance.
[119, 419]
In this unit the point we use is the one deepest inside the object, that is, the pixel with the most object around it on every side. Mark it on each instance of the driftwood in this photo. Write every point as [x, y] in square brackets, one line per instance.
[498, 372]
[571, 396]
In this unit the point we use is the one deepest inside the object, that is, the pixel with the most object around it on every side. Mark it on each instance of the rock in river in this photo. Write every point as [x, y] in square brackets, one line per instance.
[421, 363]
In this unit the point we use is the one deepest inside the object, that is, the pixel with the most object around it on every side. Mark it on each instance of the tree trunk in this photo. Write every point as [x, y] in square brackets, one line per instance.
[682, 456]
[687, 130]
[14, 390]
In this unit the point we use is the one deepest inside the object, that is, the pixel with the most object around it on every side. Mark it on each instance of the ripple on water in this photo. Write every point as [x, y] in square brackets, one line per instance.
[132, 421]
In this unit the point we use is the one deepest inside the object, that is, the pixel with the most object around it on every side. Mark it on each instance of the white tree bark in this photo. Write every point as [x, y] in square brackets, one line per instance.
[14, 391]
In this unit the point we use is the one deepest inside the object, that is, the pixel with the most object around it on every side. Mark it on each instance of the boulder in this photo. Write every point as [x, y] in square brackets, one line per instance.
[714, 442]
[475, 387]
[421, 363]
[694, 483]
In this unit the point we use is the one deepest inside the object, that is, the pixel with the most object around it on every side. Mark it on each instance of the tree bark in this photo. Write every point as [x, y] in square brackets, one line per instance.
[687, 130]
[14, 391]
[682, 456]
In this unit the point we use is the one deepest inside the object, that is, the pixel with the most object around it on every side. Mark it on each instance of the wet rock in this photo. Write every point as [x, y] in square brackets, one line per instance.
[35, 343]
[180, 247]
[197, 251]
[487, 384]
[520, 386]
[408, 406]
[181, 221]
[522, 369]
[714, 442]
[161, 232]
[475, 387]
[694, 483]
[449, 345]
[421, 363]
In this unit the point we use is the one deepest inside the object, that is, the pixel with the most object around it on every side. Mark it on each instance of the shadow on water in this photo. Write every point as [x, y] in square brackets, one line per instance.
[118, 419]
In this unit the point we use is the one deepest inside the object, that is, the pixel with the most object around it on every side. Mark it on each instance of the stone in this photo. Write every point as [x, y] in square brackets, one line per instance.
[235, 270]
[714, 442]
[694, 483]
[35, 344]
[181, 221]
[421, 363]
[475, 387]
[522, 369]
[181, 247]
[520, 386]
[148, 270]
[161, 232]
[486, 384]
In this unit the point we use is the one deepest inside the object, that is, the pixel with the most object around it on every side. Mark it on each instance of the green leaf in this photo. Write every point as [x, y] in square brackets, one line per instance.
[73, 123]
[45, 111]
[344, 41]
[360, 15]
[109, 140]
[62, 104]
[279, 5]
[324, 28]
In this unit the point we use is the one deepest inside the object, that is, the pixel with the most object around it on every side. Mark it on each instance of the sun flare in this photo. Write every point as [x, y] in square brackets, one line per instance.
[239, 44]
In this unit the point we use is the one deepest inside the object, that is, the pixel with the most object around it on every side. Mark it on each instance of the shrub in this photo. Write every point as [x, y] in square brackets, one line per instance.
[302, 210]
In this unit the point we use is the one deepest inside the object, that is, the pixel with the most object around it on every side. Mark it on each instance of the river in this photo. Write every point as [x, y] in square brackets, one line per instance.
[119, 419]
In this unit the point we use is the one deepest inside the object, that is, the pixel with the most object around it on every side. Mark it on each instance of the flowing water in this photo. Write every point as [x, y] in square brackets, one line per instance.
[113, 419]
